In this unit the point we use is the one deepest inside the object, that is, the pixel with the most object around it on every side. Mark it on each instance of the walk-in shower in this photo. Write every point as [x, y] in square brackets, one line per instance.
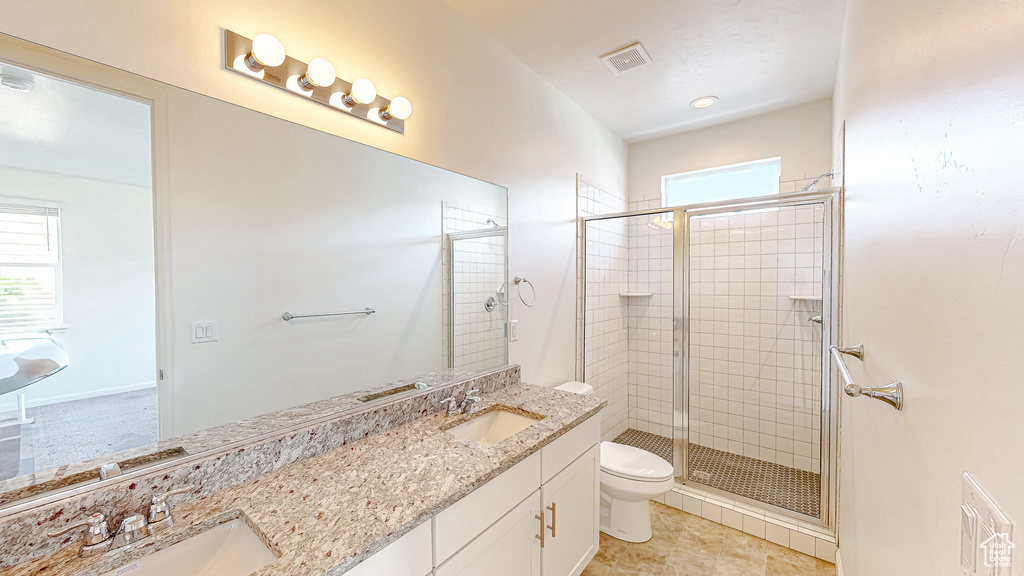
[705, 327]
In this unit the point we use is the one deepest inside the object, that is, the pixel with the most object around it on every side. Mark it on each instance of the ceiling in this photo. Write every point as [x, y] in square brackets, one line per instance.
[64, 128]
[755, 55]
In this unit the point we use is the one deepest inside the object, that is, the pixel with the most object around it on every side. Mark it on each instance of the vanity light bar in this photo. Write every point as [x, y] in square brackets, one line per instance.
[263, 59]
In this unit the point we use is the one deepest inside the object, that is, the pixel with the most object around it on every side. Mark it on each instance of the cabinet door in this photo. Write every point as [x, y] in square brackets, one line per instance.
[572, 502]
[510, 547]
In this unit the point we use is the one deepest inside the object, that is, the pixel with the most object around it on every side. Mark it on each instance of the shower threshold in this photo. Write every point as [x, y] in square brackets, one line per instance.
[774, 484]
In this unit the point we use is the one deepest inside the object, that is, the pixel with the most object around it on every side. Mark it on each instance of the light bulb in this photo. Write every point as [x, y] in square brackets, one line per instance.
[399, 108]
[362, 92]
[267, 51]
[704, 101]
[319, 74]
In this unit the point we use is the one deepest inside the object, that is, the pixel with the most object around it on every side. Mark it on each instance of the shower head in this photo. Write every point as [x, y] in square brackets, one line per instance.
[810, 186]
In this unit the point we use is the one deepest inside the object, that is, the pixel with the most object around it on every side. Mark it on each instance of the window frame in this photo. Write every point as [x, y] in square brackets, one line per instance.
[714, 170]
[58, 267]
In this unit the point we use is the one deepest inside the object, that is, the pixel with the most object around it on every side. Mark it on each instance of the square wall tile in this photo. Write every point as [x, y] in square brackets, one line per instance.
[777, 534]
[711, 512]
[674, 499]
[754, 527]
[691, 505]
[732, 519]
[803, 543]
[825, 550]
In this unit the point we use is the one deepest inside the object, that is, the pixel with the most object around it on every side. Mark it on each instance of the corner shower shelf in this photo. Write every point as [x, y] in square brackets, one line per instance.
[635, 294]
[805, 297]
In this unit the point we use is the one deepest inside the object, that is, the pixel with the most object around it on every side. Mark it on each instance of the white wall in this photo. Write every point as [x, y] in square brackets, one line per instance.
[931, 93]
[109, 306]
[477, 110]
[800, 135]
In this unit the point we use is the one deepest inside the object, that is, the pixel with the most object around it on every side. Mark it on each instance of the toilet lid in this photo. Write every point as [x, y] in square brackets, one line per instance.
[633, 463]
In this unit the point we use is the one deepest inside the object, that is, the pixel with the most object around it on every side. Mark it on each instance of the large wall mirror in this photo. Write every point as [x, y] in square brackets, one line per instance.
[152, 241]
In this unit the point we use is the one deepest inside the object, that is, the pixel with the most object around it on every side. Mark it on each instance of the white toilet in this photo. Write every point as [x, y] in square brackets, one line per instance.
[629, 478]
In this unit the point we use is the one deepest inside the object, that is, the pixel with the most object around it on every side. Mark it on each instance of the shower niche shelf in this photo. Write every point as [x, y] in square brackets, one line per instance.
[635, 294]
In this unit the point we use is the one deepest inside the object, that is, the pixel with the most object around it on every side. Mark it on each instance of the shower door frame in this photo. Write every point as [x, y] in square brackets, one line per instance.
[450, 240]
[830, 198]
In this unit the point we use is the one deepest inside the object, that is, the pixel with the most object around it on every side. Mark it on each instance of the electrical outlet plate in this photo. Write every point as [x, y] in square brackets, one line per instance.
[986, 534]
[513, 331]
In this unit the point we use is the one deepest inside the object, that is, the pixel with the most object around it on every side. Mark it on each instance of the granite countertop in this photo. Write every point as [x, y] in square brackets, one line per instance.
[326, 514]
[88, 470]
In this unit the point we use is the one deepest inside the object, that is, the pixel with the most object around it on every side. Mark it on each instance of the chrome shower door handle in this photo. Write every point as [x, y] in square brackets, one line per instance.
[553, 520]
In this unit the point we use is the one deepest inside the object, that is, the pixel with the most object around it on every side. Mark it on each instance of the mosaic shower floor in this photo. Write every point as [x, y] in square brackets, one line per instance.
[774, 484]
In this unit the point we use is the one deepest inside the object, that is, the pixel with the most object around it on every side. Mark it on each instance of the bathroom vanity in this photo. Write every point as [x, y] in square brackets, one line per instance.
[415, 498]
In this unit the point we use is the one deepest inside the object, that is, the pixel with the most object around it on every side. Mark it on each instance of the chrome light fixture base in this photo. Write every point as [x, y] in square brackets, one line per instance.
[237, 50]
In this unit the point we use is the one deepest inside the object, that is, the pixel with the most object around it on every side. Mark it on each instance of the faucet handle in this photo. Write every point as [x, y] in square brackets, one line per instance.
[97, 537]
[160, 498]
[160, 510]
[470, 394]
[97, 532]
[453, 405]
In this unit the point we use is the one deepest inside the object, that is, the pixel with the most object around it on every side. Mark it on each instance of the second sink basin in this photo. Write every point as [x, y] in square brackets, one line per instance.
[496, 424]
[230, 549]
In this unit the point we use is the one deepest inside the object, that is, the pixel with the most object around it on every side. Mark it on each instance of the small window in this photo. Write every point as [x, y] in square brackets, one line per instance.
[30, 269]
[757, 178]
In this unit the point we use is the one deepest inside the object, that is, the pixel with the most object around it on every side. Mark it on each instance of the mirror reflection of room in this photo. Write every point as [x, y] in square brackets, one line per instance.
[77, 300]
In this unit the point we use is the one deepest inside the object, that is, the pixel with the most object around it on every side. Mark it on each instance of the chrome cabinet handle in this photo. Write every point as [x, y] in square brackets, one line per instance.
[553, 522]
[541, 537]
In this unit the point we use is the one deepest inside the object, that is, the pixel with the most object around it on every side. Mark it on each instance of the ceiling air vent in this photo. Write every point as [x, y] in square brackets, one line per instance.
[630, 57]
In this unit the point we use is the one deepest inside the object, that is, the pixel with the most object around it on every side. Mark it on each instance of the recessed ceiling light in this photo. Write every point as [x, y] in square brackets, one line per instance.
[704, 101]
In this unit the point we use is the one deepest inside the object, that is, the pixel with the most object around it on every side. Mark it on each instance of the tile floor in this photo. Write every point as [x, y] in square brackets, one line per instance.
[688, 545]
[775, 484]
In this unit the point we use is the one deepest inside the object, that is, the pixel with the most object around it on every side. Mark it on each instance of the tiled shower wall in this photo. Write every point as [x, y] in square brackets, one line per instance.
[603, 357]
[649, 322]
[755, 358]
[478, 336]
[479, 271]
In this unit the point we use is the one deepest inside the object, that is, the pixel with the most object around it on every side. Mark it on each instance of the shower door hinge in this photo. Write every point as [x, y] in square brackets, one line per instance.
[161, 374]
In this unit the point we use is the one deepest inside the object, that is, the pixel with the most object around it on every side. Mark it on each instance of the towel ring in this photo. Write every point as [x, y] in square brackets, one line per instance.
[519, 283]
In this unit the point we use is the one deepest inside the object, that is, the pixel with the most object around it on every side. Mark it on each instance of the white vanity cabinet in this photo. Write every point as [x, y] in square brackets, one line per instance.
[541, 517]
[572, 515]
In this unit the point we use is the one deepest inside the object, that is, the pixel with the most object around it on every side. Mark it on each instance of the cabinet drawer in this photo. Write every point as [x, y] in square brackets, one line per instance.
[455, 526]
[407, 556]
[568, 447]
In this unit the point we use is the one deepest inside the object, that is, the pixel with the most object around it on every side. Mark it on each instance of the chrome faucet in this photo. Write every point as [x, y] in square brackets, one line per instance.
[97, 537]
[134, 528]
[468, 405]
[160, 510]
[453, 405]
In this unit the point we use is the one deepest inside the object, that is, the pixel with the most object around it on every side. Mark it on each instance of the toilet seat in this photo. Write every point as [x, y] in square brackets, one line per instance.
[633, 463]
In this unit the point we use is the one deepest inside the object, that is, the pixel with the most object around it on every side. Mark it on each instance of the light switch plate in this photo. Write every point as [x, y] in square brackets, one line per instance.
[986, 534]
[204, 332]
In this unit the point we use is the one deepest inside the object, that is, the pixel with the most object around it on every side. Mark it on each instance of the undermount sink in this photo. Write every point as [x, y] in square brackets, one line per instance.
[230, 549]
[489, 428]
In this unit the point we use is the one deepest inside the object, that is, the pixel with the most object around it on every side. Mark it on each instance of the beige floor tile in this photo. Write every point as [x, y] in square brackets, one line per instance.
[688, 545]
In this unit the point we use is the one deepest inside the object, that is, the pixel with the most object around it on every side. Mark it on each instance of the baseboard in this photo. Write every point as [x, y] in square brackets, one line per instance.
[839, 563]
[90, 394]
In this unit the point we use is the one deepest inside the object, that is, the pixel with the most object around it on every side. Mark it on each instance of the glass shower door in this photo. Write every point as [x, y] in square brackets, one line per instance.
[756, 281]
